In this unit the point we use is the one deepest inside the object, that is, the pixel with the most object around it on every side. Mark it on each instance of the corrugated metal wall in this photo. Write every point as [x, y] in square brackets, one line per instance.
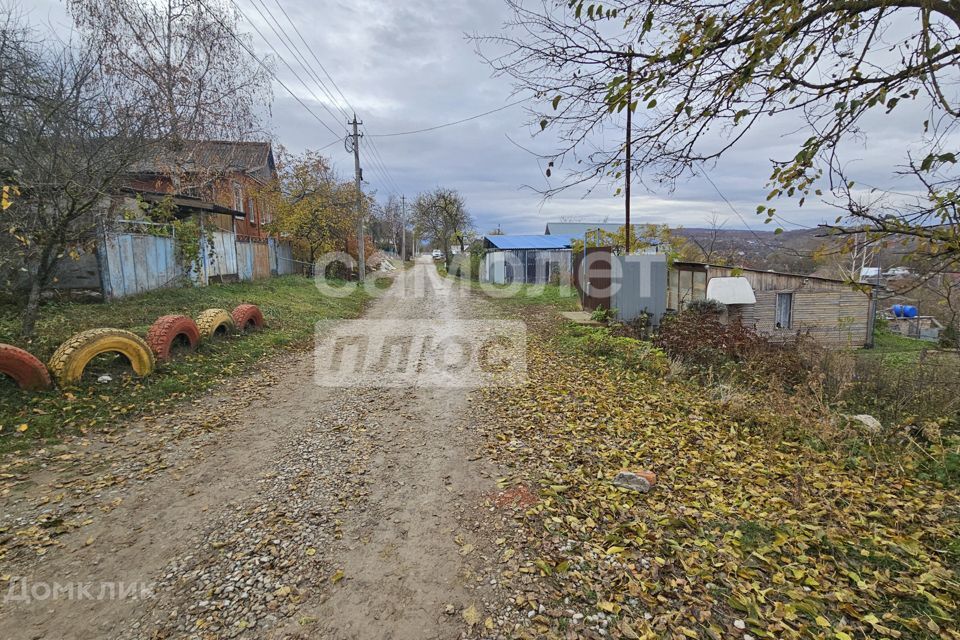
[245, 260]
[530, 266]
[642, 287]
[281, 257]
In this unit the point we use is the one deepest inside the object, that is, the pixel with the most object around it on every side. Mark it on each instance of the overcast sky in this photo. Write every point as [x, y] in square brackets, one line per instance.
[408, 65]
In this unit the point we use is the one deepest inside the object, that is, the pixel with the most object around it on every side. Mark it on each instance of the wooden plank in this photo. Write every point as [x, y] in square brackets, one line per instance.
[127, 265]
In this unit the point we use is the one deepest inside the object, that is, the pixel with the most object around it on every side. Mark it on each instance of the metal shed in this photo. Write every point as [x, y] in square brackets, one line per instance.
[526, 259]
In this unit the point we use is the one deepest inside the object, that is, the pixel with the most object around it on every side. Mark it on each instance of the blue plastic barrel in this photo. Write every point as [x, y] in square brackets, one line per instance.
[897, 310]
[909, 311]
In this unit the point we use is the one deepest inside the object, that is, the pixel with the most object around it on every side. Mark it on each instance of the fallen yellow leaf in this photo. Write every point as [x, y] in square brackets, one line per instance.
[470, 615]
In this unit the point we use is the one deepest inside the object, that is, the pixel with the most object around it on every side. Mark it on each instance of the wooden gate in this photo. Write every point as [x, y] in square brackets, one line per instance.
[595, 278]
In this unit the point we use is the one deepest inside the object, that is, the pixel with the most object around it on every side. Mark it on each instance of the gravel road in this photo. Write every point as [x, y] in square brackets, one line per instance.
[275, 509]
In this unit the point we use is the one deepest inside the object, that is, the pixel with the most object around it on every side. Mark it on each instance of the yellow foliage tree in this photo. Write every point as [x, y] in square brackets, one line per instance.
[311, 204]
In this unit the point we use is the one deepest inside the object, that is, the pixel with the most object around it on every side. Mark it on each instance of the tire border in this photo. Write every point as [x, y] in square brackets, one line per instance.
[27, 370]
[246, 314]
[165, 330]
[62, 362]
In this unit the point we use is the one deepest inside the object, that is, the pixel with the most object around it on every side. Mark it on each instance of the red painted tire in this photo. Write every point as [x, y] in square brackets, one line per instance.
[167, 329]
[247, 317]
[28, 372]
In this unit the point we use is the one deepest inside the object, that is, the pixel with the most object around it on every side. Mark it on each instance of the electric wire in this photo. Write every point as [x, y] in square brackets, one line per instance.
[446, 124]
[267, 68]
[297, 54]
[320, 64]
[284, 61]
[377, 164]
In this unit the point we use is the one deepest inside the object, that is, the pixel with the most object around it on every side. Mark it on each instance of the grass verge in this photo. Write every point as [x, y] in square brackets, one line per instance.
[742, 533]
[895, 350]
[291, 306]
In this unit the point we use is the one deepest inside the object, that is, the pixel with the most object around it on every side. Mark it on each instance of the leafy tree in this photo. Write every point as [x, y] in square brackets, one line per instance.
[311, 204]
[441, 216]
[699, 75]
[642, 237]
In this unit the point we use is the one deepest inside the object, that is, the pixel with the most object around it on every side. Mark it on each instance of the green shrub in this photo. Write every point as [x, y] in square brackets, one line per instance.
[621, 351]
[603, 315]
[706, 306]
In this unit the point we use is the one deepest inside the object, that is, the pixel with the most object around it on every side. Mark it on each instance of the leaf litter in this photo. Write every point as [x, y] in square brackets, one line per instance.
[741, 537]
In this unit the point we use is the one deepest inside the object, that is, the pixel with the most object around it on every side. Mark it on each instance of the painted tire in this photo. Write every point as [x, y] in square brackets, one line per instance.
[71, 358]
[213, 322]
[247, 317]
[166, 330]
[26, 370]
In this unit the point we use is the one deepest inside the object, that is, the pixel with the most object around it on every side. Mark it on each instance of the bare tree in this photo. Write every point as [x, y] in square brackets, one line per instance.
[67, 134]
[387, 223]
[708, 244]
[699, 74]
[186, 59]
[442, 216]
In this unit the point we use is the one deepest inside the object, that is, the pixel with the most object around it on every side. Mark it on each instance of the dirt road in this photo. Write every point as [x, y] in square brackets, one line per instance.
[292, 510]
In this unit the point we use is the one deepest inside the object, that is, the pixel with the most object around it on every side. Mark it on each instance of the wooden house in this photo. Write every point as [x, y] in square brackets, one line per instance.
[229, 175]
[228, 178]
[779, 305]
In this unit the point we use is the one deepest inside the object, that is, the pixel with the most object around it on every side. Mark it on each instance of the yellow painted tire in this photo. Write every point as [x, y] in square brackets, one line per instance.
[71, 358]
[213, 322]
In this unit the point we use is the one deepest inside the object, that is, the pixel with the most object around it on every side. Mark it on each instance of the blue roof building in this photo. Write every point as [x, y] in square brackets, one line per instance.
[527, 259]
[551, 242]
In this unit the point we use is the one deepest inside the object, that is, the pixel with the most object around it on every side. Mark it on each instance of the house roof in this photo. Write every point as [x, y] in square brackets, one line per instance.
[216, 156]
[579, 228]
[185, 205]
[705, 265]
[528, 242]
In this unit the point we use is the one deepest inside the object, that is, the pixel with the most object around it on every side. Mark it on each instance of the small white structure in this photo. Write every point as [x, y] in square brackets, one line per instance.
[731, 290]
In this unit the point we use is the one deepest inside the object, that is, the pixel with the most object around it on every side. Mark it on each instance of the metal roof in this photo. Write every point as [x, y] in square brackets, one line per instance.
[528, 242]
[579, 228]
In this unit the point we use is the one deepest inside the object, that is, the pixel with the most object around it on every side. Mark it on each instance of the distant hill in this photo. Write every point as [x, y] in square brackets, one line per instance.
[789, 251]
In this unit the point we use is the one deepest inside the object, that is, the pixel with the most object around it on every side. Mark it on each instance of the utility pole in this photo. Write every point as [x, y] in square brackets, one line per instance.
[358, 178]
[403, 228]
[629, 144]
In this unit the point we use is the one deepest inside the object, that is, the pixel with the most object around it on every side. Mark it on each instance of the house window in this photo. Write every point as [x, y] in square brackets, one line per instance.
[237, 197]
[699, 285]
[784, 312]
[249, 210]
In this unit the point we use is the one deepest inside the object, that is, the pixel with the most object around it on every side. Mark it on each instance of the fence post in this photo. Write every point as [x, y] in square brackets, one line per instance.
[204, 278]
[103, 260]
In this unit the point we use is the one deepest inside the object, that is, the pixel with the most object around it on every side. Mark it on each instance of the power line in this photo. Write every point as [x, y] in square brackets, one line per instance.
[374, 157]
[446, 124]
[734, 209]
[298, 56]
[284, 61]
[379, 157]
[267, 68]
[320, 64]
[376, 168]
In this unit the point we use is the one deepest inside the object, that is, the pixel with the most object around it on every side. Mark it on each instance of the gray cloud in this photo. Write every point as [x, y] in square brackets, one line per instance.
[407, 65]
